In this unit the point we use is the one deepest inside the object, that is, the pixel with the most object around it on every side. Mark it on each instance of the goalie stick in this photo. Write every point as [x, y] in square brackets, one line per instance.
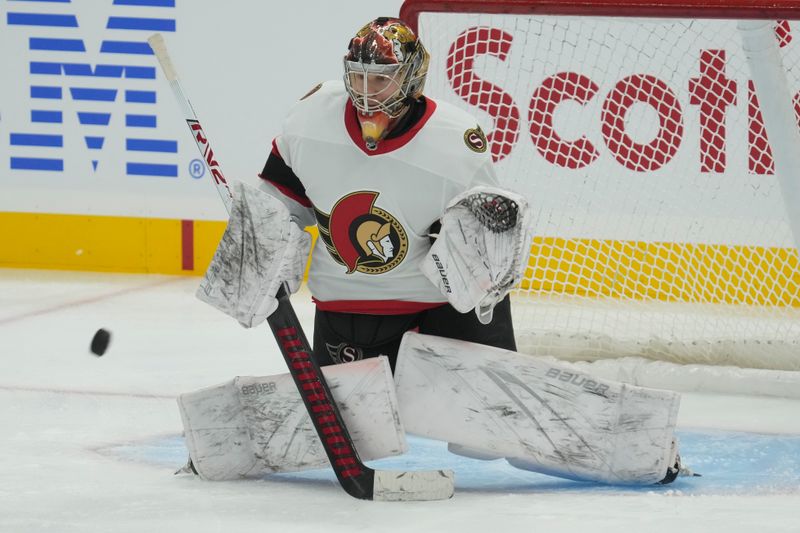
[356, 479]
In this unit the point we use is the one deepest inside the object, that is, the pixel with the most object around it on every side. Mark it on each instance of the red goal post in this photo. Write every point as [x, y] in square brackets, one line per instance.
[708, 9]
[659, 143]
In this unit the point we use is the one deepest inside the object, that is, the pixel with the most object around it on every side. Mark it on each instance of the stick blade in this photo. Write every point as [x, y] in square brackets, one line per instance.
[397, 486]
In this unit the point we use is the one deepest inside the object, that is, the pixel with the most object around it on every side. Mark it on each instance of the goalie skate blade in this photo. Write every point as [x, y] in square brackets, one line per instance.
[396, 486]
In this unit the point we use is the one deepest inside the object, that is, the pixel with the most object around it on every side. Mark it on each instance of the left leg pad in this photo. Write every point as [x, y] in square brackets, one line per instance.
[250, 426]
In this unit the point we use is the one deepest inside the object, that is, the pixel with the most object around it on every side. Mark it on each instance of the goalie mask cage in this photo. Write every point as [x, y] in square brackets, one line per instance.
[658, 143]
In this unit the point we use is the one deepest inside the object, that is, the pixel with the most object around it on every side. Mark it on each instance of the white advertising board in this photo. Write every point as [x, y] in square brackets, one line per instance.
[89, 126]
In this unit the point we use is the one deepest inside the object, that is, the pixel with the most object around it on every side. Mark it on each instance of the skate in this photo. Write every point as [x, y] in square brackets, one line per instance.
[677, 469]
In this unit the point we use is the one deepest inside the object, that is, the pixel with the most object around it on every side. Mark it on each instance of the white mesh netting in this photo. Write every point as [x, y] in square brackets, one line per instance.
[660, 225]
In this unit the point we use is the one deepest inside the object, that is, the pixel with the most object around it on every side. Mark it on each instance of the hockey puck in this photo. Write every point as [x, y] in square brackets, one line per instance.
[100, 342]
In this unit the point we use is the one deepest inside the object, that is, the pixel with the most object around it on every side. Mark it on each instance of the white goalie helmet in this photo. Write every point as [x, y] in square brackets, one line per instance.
[385, 66]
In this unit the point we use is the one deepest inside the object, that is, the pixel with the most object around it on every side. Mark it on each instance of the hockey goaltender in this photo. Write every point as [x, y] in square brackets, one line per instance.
[418, 247]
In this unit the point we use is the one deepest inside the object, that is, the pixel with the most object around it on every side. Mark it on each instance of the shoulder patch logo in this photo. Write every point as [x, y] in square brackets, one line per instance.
[312, 91]
[476, 140]
[361, 236]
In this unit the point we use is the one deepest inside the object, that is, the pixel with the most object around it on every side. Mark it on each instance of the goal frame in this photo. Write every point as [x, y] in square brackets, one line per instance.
[709, 9]
[754, 18]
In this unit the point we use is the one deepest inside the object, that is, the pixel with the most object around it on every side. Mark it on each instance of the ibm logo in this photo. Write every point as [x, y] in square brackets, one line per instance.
[64, 85]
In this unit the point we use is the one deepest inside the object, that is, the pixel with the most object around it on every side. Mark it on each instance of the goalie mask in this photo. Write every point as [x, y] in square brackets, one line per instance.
[384, 68]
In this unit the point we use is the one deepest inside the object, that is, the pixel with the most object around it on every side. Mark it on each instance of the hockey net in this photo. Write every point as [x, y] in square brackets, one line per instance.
[659, 146]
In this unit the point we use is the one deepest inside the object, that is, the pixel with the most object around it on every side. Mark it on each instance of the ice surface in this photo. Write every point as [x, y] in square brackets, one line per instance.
[753, 464]
[91, 443]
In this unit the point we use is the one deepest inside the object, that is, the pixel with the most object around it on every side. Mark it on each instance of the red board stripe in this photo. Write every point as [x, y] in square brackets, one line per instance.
[187, 244]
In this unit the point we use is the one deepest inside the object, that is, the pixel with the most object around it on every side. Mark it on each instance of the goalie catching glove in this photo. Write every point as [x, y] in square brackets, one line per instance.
[261, 249]
[482, 249]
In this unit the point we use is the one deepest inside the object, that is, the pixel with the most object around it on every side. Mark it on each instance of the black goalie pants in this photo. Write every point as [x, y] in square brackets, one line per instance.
[347, 337]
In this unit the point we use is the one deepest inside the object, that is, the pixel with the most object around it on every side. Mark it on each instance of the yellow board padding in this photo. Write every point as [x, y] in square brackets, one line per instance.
[207, 234]
[108, 243]
[104, 243]
[670, 272]
[674, 272]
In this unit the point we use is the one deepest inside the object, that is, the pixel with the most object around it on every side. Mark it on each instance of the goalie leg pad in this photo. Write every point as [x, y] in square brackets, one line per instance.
[541, 413]
[260, 249]
[251, 426]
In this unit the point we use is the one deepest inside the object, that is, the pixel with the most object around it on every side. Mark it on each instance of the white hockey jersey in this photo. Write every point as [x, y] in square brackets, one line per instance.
[374, 209]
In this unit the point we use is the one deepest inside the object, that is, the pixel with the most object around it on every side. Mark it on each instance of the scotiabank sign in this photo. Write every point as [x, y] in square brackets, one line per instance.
[706, 81]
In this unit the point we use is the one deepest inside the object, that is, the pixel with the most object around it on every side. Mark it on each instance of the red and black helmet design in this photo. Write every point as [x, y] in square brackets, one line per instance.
[385, 47]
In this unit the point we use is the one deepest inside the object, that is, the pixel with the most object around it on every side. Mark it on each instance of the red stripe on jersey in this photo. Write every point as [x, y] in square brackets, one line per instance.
[376, 307]
[386, 145]
[275, 149]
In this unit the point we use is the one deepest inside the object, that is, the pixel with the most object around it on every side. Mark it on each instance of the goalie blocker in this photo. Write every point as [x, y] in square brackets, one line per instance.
[262, 247]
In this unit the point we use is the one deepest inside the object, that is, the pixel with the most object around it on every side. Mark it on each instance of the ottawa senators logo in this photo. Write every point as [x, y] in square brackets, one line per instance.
[361, 236]
[344, 353]
[476, 140]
